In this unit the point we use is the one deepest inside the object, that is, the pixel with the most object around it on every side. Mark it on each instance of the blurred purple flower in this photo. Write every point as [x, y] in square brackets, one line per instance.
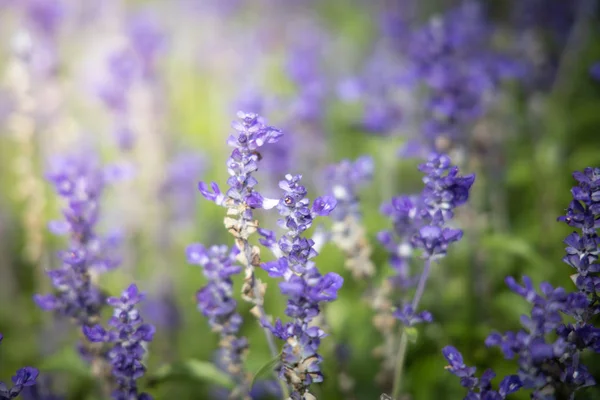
[595, 71]
[128, 335]
[420, 222]
[147, 39]
[45, 16]
[23, 378]
[80, 180]
[452, 57]
[161, 309]
[343, 181]
[216, 302]
[176, 190]
[479, 388]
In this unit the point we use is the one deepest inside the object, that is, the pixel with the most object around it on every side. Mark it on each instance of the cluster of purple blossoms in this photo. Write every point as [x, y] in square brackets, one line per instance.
[582, 251]
[127, 67]
[216, 302]
[377, 87]
[342, 181]
[479, 388]
[241, 197]
[128, 336]
[421, 223]
[80, 180]
[549, 350]
[24, 377]
[451, 58]
[121, 70]
[175, 189]
[548, 364]
[302, 283]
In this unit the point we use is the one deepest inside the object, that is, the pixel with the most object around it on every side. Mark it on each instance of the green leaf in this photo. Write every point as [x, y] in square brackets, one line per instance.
[266, 369]
[191, 370]
[412, 333]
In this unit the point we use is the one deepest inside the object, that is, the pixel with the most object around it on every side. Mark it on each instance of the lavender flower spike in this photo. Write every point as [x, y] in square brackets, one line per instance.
[216, 302]
[24, 377]
[479, 388]
[421, 224]
[548, 349]
[80, 180]
[302, 283]
[241, 198]
[548, 365]
[128, 335]
[348, 233]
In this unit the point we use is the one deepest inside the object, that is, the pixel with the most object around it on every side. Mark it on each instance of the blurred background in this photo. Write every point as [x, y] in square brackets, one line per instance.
[149, 89]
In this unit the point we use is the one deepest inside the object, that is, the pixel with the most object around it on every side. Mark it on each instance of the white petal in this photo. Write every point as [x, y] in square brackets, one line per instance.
[269, 203]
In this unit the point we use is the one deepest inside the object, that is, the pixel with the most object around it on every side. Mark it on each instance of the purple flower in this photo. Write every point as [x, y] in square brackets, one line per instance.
[479, 388]
[146, 39]
[408, 317]
[583, 248]
[23, 378]
[548, 348]
[176, 190]
[241, 197]
[302, 283]
[216, 302]
[42, 390]
[128, 335]
[80, 180]
[420, 223]
[547, 364]
[343, 181]
[121, 68]
[450, 56]
[162, 310]
[376, 87]
[45, 15]
[595, 71]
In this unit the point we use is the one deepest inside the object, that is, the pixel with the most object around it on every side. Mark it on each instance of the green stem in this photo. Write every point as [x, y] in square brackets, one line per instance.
[400, 366]
[399, 369]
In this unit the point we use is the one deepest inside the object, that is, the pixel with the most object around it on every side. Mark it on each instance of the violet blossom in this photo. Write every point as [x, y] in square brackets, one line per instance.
[548, 365]
[549, 349]
[176, 190]
[348, 233]
[127, 336]
[80, 180]
[452, 59]
[479, 388]
[302, 283]
[216, 302]
[23, 378]
[241, 199]
[420, 225]
[126, 67]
